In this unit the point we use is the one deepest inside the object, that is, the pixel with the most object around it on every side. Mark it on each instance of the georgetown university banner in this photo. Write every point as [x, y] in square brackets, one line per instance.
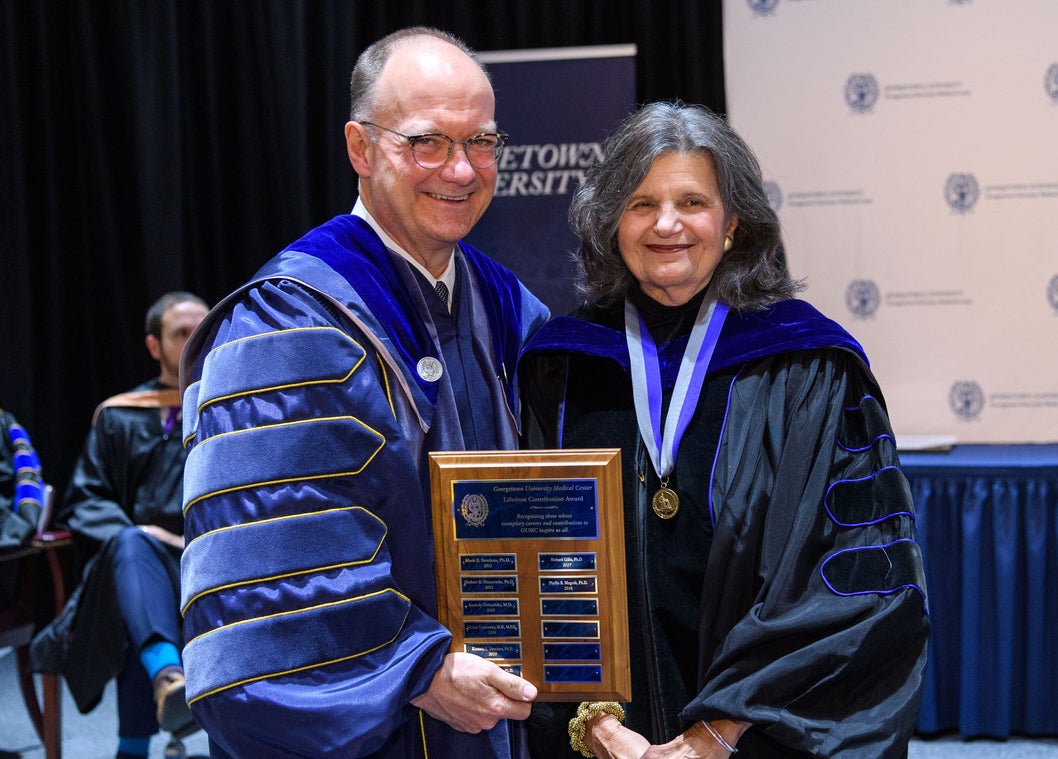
[558, 104]
[910, 149]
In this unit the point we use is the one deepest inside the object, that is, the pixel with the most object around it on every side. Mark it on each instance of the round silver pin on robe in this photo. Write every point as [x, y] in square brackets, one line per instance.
[429, 368]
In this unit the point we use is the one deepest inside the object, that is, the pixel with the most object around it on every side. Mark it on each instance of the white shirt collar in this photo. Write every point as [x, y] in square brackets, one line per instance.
[449, 275]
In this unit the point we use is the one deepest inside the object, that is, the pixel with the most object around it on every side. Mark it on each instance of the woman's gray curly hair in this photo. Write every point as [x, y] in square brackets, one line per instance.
[750, 276]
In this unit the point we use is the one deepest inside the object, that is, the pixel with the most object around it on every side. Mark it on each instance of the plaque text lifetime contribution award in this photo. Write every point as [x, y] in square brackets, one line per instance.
[530, 556]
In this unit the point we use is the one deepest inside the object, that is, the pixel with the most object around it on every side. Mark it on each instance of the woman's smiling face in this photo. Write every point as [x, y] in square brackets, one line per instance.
[671, 233]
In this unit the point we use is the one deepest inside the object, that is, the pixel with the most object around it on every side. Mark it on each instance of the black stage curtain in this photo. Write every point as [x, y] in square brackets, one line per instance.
[152, 145]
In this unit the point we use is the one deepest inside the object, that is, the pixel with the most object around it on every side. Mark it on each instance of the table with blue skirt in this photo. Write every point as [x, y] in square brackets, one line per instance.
[988, 526]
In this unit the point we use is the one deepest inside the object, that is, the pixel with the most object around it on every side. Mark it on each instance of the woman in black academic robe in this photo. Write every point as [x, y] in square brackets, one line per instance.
[776, 595]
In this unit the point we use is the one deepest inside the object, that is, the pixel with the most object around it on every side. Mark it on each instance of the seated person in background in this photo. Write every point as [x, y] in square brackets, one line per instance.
[124, 505]
[21, 496]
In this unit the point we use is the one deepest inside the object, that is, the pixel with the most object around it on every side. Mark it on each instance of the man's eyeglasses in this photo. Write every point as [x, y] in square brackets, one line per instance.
[432, 151]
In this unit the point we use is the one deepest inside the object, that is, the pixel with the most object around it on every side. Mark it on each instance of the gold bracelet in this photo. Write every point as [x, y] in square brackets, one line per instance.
[719, 738]
[586, 712]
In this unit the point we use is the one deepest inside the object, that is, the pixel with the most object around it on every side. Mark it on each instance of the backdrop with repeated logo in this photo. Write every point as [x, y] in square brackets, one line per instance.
[911, 150]
[558, 105]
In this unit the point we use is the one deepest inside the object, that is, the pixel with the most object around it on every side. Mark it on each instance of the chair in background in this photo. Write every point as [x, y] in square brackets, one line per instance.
[43, 553]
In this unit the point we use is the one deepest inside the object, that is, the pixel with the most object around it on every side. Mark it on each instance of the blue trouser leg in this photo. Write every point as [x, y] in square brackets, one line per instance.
[147, 579]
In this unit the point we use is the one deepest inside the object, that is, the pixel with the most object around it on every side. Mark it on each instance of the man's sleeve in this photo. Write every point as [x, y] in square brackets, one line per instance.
[824, 650]
[302, 502]
[92, 504]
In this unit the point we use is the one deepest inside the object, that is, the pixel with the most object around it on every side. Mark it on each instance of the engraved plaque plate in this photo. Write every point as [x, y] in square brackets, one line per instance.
[530, 559]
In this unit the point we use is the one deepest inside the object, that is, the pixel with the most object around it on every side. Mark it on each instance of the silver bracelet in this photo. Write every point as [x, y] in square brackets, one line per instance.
[719, 738]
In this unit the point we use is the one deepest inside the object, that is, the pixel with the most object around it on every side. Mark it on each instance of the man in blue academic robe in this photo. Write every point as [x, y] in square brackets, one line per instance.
[314, 395]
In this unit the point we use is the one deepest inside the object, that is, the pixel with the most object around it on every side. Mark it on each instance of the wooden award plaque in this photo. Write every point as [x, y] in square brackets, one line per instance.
[530, 557]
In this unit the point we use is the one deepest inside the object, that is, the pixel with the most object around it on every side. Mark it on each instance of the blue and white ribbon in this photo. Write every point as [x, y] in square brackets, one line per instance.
[646, 380]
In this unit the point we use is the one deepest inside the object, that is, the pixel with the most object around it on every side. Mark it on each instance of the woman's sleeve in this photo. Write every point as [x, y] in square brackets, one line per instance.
[816, 612]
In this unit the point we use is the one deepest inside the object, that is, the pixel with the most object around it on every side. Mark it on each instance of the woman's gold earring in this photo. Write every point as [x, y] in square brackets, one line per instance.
[729, 243]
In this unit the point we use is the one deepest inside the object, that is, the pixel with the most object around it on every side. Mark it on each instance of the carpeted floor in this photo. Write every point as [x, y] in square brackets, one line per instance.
[94, 735]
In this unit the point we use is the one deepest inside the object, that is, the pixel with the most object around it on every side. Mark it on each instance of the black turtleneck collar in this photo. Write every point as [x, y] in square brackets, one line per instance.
[666, 323]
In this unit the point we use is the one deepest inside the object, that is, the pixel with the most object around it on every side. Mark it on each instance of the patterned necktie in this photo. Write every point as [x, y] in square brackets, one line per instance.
[442, 292]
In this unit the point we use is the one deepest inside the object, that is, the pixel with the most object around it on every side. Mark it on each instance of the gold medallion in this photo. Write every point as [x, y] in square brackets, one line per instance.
[666, 503]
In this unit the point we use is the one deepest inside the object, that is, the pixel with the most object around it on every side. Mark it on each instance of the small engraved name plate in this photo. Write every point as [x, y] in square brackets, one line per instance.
[489, 584]
[565, 562]
[511, 651]
[490, 607]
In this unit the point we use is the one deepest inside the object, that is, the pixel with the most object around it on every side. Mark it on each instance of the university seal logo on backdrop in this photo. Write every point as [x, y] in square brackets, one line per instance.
[774, 194]
[861, 92]
[966, 399]
[862, 297]
[1052, 293]
[1050, 82]
[961, 192]
[762, 7]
